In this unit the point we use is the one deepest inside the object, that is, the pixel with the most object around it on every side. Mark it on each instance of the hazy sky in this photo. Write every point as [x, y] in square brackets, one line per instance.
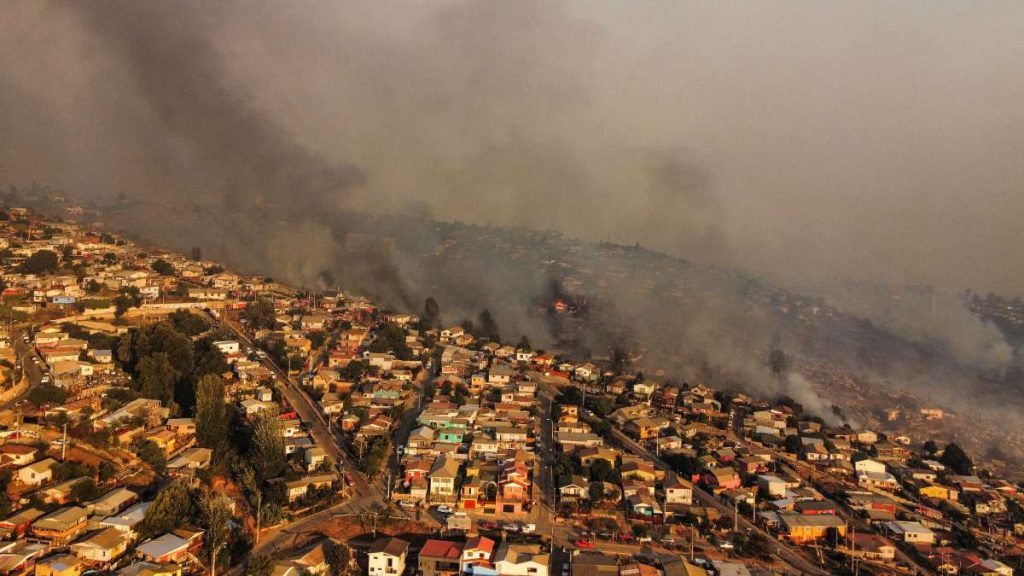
[812, 140]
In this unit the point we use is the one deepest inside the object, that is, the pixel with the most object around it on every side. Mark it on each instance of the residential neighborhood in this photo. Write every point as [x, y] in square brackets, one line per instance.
[165, 415]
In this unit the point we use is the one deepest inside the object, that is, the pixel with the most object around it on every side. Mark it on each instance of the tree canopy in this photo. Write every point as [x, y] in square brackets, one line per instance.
[173, 507]
[211, 413]
[40, 262]
[260, 314]
[162, 267]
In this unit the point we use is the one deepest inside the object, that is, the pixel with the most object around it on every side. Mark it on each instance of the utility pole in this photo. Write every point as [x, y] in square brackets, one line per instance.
[259, 509]
[735, 514]
[64, 443]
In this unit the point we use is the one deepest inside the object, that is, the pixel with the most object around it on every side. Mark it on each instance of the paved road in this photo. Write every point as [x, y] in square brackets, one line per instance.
[310, 413]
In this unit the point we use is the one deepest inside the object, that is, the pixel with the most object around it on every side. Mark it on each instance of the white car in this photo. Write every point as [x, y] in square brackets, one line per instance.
[510, 527]
[444, 509]
[529, 528]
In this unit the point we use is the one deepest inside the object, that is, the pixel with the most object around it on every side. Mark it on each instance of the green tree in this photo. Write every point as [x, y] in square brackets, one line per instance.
[524, 343]
[211, 413]
[85, 490]
[338, 557]
[268, 445]
[217, 520]
[487, 326]
[162, 267]
[195, 253]
[957, 459]
[188, 323]
[601, 470]
[260, 565]
[152, 454]
[157, 378]
[40, 262]
[431, 313]
[173, 507]
[260, 314]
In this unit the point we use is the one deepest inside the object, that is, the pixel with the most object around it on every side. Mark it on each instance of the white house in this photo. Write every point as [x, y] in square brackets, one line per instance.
[387, 557]
[227, 346]
[37, 473]
[911, 532]
[521, 560]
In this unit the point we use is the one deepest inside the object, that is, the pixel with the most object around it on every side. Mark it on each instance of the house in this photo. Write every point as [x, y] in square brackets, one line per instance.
[19, 557]
[476, 556]
[677, 491]
[311, 560]
[17, 455]
[190, 460]
[59, 565]
[113, 502]
[647, 428]
[167, 548]
[801, 528]
[871, 547]
[296, 489]
[102, 547]
[442, 478]
[16, 525]
[574, 487]
[37, 473]
[521, 560]
[314, 457]
[440, 558]
[61, 526]
[387, 557]
[910, 532]
[127, 521]
[182, 426]
[721, 479]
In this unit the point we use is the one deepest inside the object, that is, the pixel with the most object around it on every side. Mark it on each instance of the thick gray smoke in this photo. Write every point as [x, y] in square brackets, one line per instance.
[812, 142]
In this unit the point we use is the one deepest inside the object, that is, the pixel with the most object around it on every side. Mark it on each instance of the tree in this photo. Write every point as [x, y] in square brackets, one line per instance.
[40, 262]
[930, 447]
[217, 518]
[85, 490]
[162, 267]
[487, 326]
[956, 459]
[211, 413]
[524, 343]
[152, 454]
[157, 378]
[195, 253]
[268, 445]
[778, 362]
[600, 470]
[260, 565]
[260, 314]
[431, 313]
[188, 323]
[173, 507]
[338, 557]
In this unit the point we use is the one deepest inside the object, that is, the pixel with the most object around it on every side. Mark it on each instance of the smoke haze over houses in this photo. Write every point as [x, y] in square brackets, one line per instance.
[804, 140]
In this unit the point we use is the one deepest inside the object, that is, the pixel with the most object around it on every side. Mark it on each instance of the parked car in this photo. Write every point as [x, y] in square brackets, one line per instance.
[443, 509]
[529, 528]
[489, 525]
[510, 527]
[406, 504]
[585, 544]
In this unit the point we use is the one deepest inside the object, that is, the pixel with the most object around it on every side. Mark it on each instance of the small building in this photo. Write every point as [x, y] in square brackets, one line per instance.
[59, 565]
[387, 557]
